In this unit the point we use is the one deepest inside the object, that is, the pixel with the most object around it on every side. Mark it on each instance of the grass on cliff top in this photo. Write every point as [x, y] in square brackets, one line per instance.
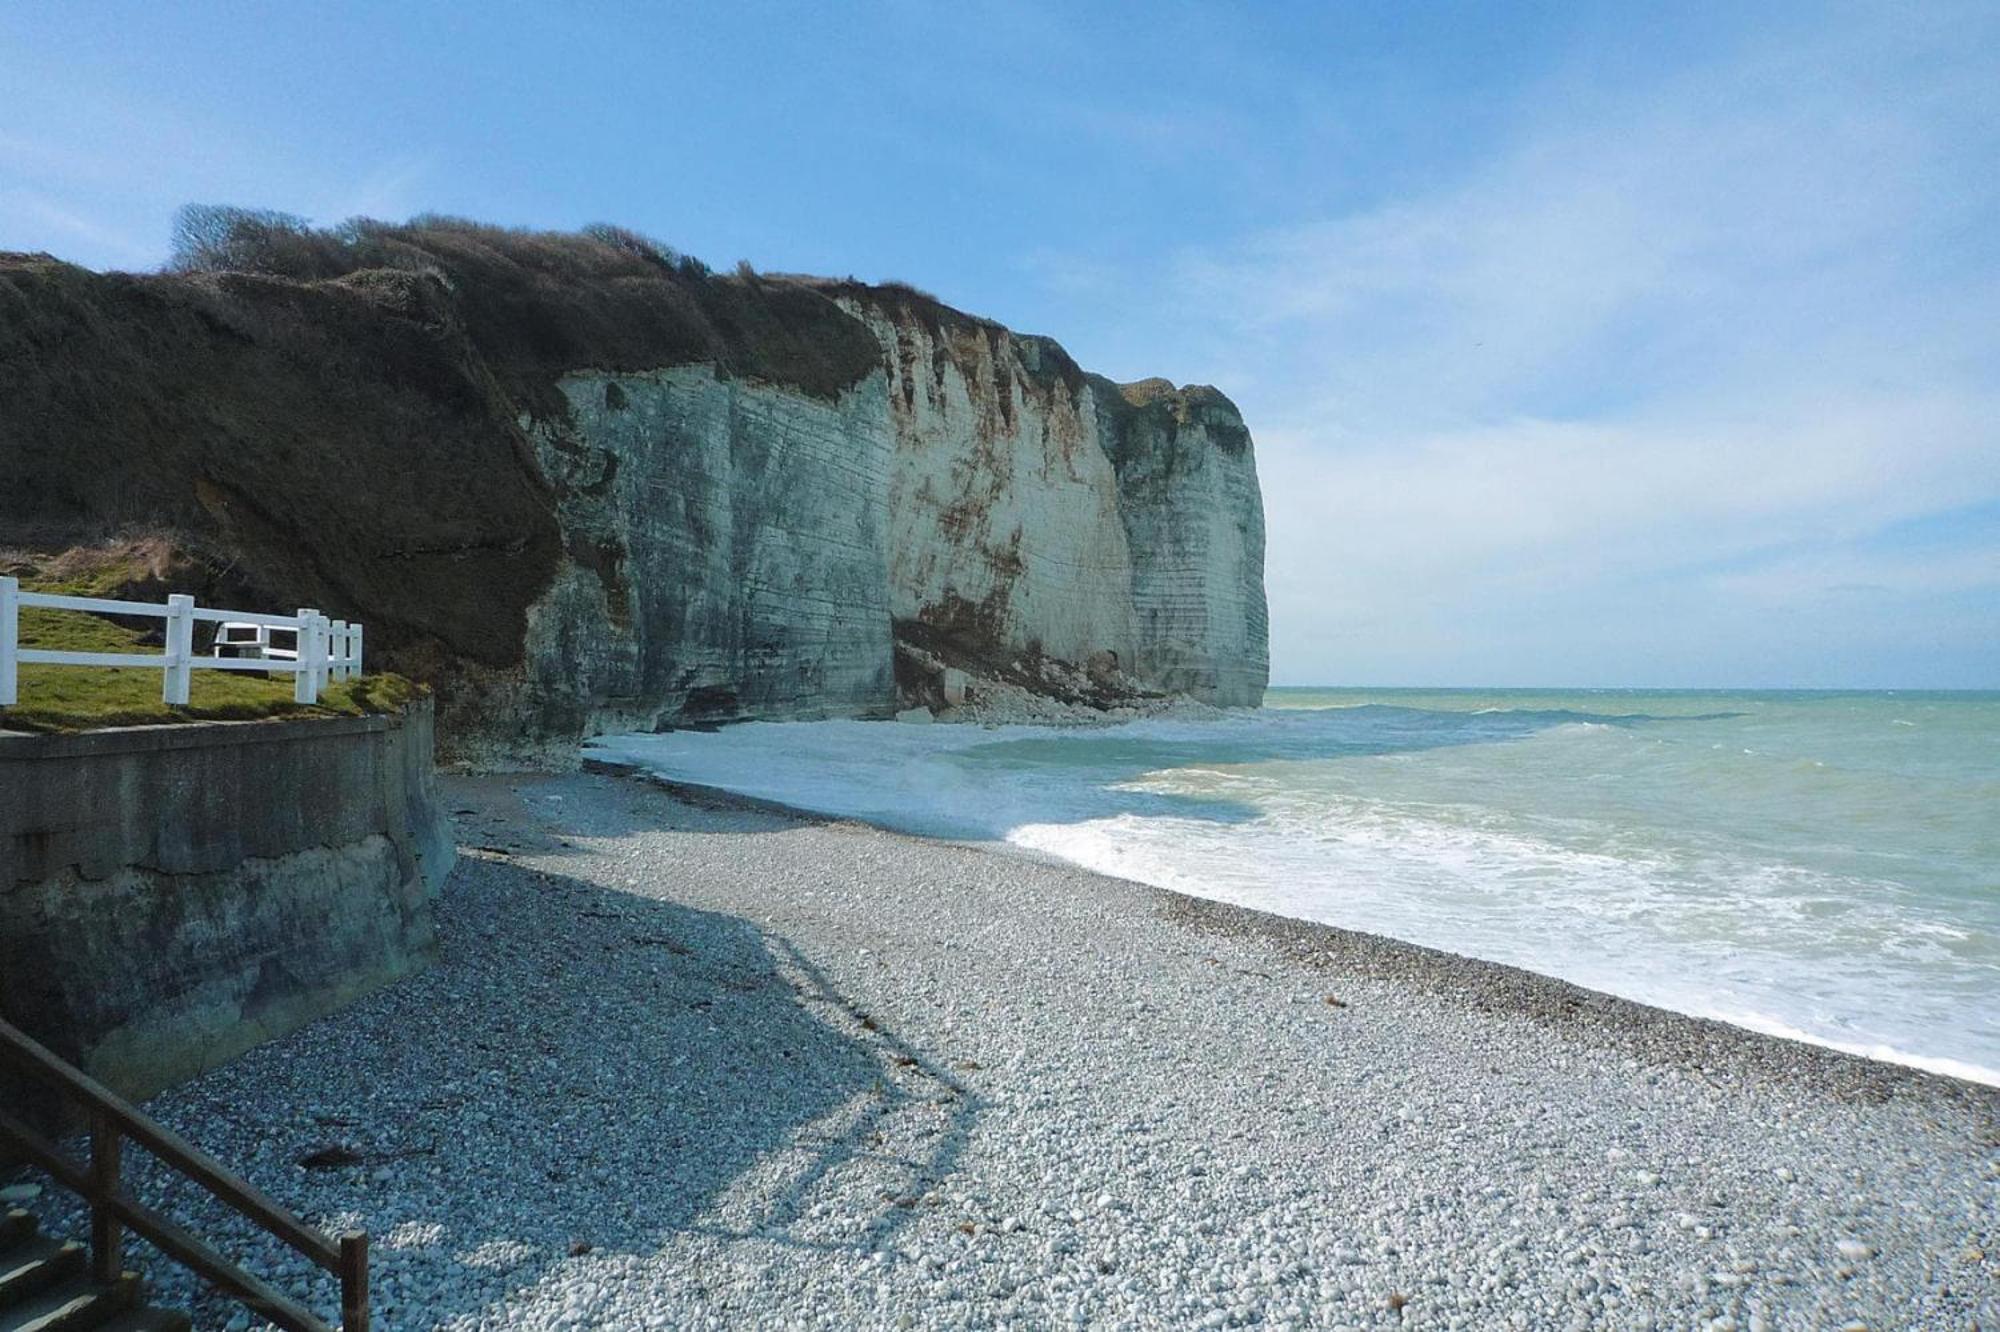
[87, 698]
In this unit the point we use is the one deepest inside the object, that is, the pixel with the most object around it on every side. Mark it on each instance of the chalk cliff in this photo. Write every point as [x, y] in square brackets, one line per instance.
[581, 484]
[1036, 510]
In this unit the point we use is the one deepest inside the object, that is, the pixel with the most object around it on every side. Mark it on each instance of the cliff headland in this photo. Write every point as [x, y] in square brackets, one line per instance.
[581, 483]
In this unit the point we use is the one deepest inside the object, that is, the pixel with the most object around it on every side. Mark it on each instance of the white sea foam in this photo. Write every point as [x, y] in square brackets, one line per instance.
[1595, 848]
[1770, 1026]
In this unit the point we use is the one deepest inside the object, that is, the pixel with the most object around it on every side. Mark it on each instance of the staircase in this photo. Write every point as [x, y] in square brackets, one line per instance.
[45, 1286]
[53, 1297]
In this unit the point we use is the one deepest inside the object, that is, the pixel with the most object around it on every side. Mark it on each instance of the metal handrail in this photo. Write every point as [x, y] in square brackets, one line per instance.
[113, 1211]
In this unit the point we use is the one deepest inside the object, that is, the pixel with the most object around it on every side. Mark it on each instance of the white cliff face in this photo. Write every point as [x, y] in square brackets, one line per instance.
[1194, 518]
[727, 551]
[1037, 510]
[735, 548]
[1003, 504]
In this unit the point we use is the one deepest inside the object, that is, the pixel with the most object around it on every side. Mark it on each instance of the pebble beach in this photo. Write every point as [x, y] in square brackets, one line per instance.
[688, 1062]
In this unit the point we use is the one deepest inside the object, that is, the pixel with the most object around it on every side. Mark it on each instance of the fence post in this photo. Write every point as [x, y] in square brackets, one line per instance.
[180, 648]
[355, 629]
[10, 641]
[107, 1236]
[354, 1282]
[318, 665]
[303, 688]
[340, 648]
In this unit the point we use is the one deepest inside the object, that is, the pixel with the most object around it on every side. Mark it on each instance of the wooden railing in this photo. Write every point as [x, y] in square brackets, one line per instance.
[113, 1211]
[327, 649]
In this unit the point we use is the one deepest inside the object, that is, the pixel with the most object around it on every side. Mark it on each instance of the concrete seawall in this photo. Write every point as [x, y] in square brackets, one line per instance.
[172, 895]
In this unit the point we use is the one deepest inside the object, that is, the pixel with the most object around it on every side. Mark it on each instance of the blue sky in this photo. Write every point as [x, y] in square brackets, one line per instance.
[1583, 344]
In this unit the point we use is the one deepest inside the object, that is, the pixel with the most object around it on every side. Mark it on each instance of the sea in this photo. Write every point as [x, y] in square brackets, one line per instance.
[1816, 865]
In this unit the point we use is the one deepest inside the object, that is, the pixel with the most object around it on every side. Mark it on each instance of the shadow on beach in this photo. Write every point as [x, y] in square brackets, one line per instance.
[583, 1067]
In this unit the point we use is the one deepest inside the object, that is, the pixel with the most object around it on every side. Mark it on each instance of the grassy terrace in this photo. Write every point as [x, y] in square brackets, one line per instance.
[80, 698]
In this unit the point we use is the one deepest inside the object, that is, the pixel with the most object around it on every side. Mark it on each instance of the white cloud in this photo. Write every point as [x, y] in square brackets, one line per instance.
[1801, 579]
[1741, 310]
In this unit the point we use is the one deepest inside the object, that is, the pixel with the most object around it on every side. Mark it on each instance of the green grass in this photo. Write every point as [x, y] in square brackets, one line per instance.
[84, 698]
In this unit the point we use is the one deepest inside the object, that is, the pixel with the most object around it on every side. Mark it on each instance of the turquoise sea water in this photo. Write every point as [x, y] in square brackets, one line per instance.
[1820, 865]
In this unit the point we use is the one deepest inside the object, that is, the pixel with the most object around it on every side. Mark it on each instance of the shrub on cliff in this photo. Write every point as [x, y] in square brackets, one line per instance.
[539, 303]
[220, 238]
[634, 242]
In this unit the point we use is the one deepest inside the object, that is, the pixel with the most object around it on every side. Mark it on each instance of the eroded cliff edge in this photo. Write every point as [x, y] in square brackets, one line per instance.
[581, 485]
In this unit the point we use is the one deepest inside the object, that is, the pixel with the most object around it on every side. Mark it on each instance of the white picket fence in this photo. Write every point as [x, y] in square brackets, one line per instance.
[327, 650]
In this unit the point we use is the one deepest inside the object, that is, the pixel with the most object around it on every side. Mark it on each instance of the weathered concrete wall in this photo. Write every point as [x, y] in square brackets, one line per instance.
[172, 895]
